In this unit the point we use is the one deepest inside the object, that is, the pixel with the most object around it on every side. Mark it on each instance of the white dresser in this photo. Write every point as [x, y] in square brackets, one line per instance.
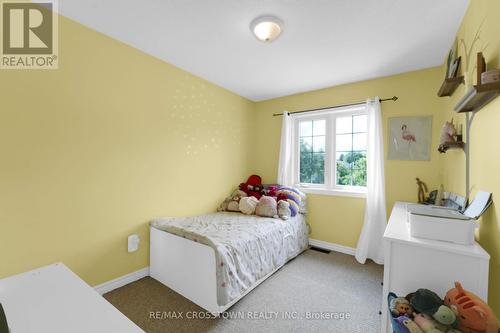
[53, 299]
[412, 263]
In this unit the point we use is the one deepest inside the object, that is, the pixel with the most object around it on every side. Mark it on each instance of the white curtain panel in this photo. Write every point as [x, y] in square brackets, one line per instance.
[370, 244]
[285, 172]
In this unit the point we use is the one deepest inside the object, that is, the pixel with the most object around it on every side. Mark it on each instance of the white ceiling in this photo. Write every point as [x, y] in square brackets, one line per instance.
[324, 43]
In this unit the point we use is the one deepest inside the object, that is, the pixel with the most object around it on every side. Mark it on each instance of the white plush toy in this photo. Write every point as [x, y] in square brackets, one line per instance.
[284, 209]
[248, 205]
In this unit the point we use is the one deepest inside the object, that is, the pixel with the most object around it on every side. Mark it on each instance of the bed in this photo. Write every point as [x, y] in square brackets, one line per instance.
[216, 259]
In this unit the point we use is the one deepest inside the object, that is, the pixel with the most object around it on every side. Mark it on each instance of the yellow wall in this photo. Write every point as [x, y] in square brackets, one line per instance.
[485, 156]
[339, 219]
[89, 153]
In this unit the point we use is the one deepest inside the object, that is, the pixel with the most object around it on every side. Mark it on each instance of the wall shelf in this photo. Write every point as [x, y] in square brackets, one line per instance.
[449, 86]
[477, 97]
[443, 148]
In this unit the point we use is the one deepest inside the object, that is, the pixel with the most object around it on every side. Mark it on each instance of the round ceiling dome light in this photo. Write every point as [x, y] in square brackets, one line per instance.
[266, 28]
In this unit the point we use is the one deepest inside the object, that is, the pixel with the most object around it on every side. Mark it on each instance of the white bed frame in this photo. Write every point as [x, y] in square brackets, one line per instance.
[188, 268]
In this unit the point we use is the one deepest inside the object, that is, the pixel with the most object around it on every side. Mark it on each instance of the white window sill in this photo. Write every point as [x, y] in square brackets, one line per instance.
[335, 192]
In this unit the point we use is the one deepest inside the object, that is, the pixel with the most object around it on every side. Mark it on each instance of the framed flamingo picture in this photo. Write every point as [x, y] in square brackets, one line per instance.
[410, 138]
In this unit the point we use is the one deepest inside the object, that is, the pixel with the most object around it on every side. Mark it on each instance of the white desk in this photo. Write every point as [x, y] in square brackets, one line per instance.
[53, 299]
[411, 263]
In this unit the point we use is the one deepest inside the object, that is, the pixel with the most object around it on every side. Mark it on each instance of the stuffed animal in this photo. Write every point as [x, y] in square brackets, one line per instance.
[248, 204]
[427, 324]
[403, 324]
[266, 207]
[400, 306]
[448, 134]
[475, 315]
[234, 204]
[284, 211]
[426, 301]
[303, 197]
[253, 186]
[293, 199]
[271, 190]
[223, 206]
[258, 188]
[229, 204]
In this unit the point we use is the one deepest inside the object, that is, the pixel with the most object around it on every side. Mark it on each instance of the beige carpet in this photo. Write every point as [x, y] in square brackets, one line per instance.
[312, 285]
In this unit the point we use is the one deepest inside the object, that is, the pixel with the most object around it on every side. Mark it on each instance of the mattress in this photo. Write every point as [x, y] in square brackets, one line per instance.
[247, 247]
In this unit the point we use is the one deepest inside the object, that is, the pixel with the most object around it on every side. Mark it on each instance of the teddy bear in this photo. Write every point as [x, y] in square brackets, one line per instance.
[266, 207]
[284, 211]
[400, 306]
[293, 198]
[231, 203]
[248, 204]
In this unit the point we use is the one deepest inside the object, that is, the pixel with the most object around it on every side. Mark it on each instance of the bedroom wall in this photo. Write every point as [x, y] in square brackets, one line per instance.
[94, 150]
[338, 219]
[485, 159]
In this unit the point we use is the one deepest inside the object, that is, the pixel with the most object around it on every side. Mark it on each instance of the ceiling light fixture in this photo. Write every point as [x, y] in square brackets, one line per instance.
[266, 28]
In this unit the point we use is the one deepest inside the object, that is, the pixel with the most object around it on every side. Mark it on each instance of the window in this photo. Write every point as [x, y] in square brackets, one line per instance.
[331, 150]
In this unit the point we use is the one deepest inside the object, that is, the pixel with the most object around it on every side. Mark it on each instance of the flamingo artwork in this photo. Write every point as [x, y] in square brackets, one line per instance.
[410, 138]
[407, 135]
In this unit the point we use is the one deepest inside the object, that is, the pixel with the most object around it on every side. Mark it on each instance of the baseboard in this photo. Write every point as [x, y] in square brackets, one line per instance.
[121, 281]
[332, 247]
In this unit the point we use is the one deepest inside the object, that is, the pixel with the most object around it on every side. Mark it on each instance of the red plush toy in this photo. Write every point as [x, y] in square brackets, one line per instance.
[253, 186]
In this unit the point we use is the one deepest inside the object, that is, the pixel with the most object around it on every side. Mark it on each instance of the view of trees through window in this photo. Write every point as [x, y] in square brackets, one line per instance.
[351, 169]
[312, 151]
[350, 150]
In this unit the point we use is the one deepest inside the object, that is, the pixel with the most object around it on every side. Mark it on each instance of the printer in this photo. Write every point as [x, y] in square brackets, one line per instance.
[446, 224]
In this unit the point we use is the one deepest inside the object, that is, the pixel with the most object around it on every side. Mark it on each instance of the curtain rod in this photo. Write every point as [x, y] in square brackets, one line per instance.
[393, 98]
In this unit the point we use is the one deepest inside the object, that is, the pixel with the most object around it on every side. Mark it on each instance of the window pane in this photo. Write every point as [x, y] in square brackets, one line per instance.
[359, 123]
[344, 142]
[306, 144]
[358, 160]
[319, 144]
[359, 141]
[318, 172]
[343, 176]
[344, 125]
[319, 127]
[306, 128]
[349, 158]
[305, 167]
[343, 168]
[359, 177]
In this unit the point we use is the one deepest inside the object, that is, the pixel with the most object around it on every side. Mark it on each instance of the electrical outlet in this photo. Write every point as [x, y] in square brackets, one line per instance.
[133, 243]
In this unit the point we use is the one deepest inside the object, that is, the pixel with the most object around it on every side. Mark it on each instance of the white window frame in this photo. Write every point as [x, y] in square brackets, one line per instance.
[330, 187]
